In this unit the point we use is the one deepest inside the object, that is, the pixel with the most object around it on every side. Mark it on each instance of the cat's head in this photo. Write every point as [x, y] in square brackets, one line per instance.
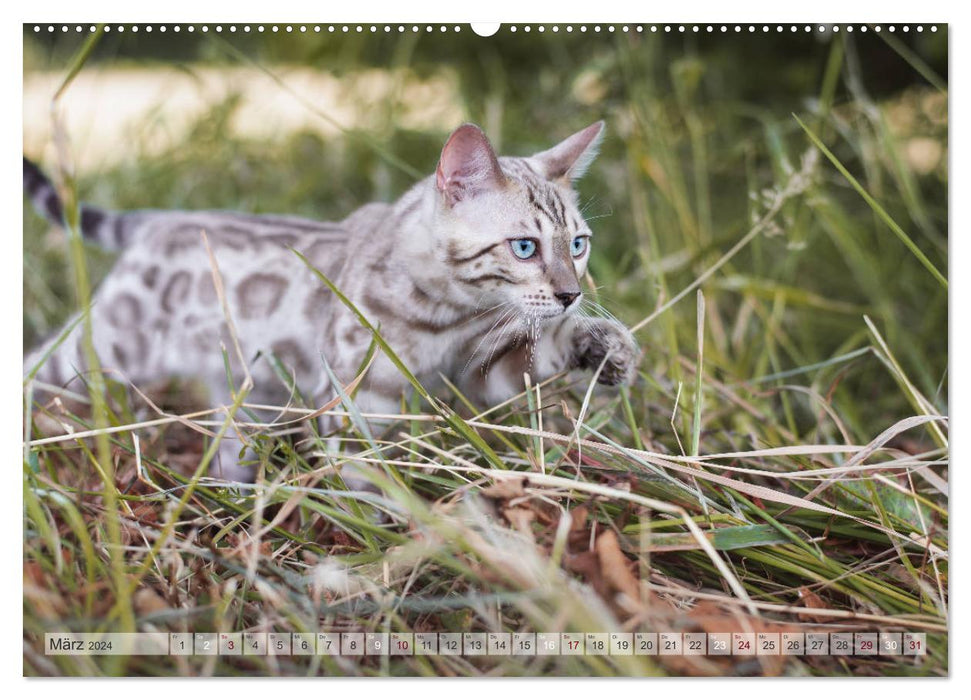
[511, 228]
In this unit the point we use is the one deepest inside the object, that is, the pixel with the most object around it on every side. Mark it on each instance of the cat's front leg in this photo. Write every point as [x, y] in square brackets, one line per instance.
[570, 343]
[597, 341]
[579, 342]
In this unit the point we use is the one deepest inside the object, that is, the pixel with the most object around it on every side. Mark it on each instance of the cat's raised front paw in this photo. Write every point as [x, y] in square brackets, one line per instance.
[595, 340]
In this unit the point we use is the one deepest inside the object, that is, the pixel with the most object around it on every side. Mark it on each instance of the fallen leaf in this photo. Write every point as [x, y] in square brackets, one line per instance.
[615, 567]
[587, 565]
[579, 518]
[521, 518]
[811, 600]
[579, 535]
[506, 489]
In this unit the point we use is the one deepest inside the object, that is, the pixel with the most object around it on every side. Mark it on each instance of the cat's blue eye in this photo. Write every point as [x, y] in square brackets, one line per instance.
[579, 246]
[523, 248]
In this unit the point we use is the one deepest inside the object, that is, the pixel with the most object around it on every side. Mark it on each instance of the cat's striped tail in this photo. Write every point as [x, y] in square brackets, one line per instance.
[99, 226]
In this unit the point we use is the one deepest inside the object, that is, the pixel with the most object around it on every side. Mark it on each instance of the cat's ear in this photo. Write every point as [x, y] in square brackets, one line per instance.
[571, 157]
[468, 165]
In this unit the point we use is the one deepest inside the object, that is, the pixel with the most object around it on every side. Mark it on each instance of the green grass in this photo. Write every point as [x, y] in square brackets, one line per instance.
[784, 446]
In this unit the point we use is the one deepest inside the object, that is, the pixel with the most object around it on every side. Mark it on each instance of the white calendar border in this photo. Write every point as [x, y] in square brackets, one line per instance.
[452, 12]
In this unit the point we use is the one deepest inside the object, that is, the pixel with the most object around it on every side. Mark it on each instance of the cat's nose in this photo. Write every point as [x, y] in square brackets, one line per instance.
[566, 298]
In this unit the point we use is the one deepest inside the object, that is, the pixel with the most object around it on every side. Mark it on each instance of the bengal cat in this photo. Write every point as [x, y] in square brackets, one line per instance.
[474, 274]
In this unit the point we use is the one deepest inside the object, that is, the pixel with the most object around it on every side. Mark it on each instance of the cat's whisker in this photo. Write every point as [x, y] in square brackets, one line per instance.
[610, 317]
[490, 309]
[587, 314]
[588, 219]
[588, 204]
[478, 304]
[487, 364]
[534, 345]
[499, 317]
[599, 310]
[497, 327]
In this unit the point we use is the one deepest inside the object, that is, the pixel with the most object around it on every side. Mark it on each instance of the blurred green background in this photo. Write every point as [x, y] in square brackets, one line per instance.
[700, 131]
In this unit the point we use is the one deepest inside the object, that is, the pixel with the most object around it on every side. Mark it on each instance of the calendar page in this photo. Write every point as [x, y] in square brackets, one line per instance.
[485, 350]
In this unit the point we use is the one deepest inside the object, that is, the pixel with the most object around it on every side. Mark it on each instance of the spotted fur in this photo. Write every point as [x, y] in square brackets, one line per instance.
[435, 271]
